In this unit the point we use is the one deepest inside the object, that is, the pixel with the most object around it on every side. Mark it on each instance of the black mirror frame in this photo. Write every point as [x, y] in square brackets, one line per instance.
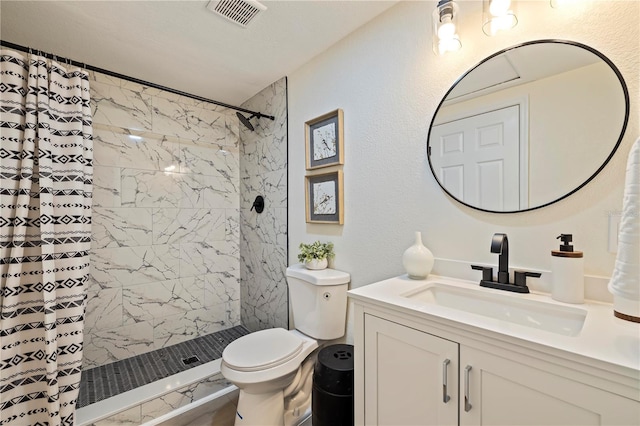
[625, 91]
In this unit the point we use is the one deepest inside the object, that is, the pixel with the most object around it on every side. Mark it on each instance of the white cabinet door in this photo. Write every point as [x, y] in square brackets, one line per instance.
[504, 392]
[405, 371]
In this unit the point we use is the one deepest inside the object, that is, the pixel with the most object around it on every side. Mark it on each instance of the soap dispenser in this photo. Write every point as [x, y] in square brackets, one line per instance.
[567, 272]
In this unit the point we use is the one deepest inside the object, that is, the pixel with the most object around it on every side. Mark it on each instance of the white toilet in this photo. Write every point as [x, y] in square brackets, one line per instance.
[273, 368]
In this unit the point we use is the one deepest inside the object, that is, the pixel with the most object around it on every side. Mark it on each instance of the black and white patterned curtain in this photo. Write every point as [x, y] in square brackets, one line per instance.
[45, 234]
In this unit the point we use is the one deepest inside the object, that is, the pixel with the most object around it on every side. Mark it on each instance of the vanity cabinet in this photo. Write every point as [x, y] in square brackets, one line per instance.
[411, 377]
[409, 372]
[502, 391]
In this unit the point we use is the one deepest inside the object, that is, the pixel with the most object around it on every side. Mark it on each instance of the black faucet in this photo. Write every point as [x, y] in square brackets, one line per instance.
[500, 245]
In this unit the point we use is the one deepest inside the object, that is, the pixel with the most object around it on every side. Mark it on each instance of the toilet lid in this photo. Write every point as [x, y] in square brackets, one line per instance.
[262, 349]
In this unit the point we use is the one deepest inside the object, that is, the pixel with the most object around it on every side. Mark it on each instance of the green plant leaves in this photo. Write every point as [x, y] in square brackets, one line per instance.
[317, 250]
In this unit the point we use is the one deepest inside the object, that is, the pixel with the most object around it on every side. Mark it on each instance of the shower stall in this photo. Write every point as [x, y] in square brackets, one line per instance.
[178, 259]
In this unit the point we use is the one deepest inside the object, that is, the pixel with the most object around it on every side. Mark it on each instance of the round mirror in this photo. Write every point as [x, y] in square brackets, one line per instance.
[528, 126]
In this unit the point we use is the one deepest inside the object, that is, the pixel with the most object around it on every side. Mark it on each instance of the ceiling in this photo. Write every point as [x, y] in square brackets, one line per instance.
[181, 44]
[520, 66]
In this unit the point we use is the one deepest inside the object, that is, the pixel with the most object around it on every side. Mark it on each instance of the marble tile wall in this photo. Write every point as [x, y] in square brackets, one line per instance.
[263, 241]
[165, 259]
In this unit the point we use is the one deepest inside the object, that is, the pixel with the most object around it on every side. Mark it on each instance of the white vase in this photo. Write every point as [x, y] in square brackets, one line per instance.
[418, 260]
[316, 263]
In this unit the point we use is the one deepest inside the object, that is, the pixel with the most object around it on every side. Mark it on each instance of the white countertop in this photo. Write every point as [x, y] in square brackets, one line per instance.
[603, 337]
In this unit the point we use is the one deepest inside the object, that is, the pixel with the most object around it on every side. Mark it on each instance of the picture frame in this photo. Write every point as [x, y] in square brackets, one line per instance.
[324, 138]
[324, 198]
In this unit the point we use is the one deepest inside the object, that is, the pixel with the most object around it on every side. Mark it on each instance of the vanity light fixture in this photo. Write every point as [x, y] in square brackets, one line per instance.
[445, 27]
[498, 15]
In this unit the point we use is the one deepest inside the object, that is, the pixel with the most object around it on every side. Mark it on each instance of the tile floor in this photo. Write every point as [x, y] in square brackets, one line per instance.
[112, 379]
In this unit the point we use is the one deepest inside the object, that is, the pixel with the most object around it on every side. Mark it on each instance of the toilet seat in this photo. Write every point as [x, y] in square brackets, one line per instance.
[286, 348]
[262, 350]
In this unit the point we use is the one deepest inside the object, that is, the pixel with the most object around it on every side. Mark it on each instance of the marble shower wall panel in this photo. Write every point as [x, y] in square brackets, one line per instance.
[268, 227]
[126, 266]
[115, 106]
[165, 259]
[171, 226]
[119, 148]
[169, 330]
[104, 310]
[105, 346]
[147, 302]
[198, 160]
[121, 227]
[273, 184]
[106, 186]
[263, 237]
[268, 300]
[219, 258]
[188, 121]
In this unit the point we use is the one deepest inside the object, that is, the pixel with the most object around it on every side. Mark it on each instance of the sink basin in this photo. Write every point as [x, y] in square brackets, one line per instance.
[513, 309]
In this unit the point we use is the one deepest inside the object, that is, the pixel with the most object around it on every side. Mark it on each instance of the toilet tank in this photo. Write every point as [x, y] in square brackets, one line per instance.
[318, 301]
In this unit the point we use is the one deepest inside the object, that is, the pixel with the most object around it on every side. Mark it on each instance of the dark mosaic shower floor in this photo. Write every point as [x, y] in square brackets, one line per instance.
[112, 379]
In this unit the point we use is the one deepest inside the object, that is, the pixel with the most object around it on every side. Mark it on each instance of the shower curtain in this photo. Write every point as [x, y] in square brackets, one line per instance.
[45, 235]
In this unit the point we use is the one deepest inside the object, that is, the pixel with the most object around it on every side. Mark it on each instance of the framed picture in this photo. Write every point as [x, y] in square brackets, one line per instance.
[324, 198]
[324, 140]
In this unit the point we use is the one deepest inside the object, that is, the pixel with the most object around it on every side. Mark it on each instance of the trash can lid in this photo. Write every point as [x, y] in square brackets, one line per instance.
[334, 369]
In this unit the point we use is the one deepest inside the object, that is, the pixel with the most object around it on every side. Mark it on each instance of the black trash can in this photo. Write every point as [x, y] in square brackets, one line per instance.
[332, 398]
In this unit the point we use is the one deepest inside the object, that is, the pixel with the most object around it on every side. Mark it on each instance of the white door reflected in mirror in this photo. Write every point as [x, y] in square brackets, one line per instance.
[477, 158]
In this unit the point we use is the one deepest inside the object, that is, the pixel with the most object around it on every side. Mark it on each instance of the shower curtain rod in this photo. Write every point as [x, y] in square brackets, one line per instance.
[10, 45]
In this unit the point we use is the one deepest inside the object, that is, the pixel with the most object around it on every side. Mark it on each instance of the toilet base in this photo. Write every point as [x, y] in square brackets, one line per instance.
[283, 407]
[297, 406]
[260, 409]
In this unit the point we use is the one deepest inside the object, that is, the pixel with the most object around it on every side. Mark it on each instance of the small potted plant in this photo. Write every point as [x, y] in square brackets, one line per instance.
[316, 255]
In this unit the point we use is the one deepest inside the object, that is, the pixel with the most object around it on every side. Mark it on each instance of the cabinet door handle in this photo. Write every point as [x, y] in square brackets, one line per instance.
[445, 367]
[467, 402]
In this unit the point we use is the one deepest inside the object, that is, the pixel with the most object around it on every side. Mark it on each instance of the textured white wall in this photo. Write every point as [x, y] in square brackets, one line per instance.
[388, 82]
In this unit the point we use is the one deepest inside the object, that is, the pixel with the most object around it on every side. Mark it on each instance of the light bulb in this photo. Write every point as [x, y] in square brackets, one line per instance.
[499, 7]
[447, 29]
[449, 45]
[498, 15]
[502, 23]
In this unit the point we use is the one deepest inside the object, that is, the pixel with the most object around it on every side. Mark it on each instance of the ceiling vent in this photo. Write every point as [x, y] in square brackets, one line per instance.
[241, 12]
